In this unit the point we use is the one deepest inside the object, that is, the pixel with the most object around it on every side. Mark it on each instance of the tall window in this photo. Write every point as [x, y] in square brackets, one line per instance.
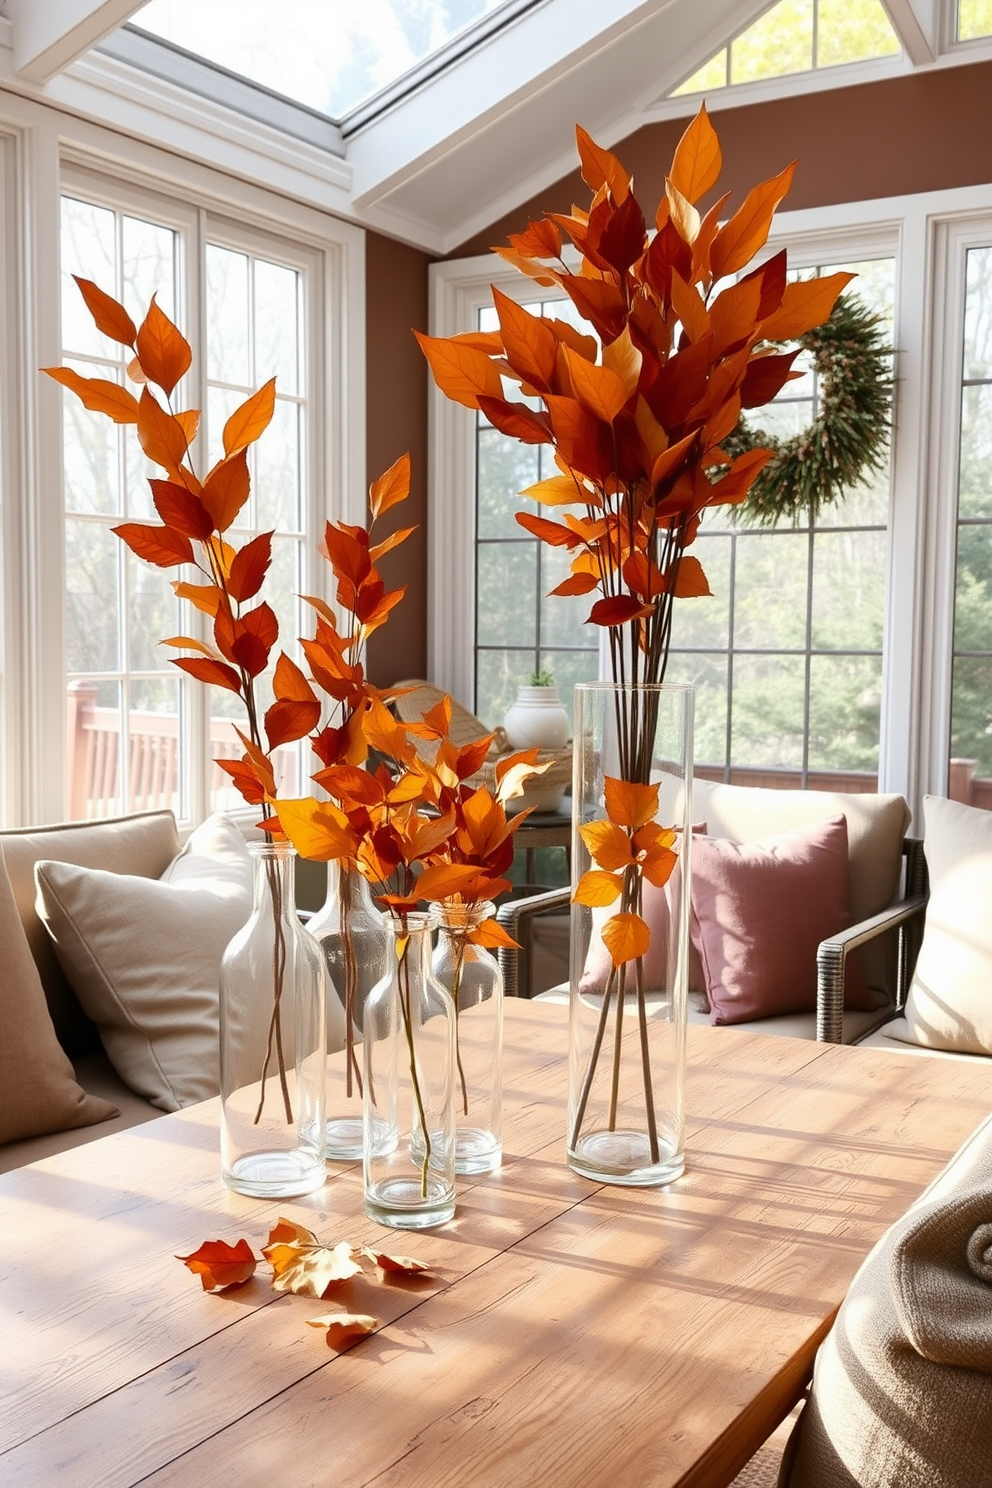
[798, 36]
[519, 630]
[974, 19]
[971, 685]
[786, 654]
[139, 734]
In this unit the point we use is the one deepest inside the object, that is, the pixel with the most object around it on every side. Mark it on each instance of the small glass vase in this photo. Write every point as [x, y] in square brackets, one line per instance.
[356, 948]
[627, 1023]
[409, 1108]
[272, 1041]
[475, 983]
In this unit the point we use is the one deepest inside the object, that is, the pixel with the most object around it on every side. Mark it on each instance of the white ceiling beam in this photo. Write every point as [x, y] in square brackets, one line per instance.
[48, 37]
[915, 23]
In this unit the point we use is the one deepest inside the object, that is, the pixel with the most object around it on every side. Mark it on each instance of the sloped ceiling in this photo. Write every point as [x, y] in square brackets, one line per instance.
[491, 129]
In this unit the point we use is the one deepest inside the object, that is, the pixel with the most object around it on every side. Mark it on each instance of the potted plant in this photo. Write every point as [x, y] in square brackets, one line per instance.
[536, 718]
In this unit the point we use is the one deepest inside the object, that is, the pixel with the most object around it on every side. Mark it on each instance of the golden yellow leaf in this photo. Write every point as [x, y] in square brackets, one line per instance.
[609, 845]
[626, 937]
[597, 888]
[557, 490]
[630, 804]
[251, 419]
[344, 1328]
[402, 1265]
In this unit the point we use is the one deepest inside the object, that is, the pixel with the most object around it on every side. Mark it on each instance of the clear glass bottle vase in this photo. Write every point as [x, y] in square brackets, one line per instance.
[627, 1020]
[272, 1041]
[409, 1066]
[475, 983]
[356, 947]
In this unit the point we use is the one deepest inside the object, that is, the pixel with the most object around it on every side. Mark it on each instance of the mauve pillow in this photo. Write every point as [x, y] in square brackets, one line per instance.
[761, 909]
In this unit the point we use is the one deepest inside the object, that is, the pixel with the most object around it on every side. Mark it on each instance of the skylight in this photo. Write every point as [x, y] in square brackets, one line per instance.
[798, 36]
[329, 55]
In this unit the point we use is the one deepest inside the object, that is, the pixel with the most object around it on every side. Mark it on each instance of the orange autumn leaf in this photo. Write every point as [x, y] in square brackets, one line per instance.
[698, 160]
[556, 490]
[162, 546]
[287, 720]
[630, 804]
[597, 888]
[392, 487]
[738, 240]
[109, 316]
[600, 167]
[226, 489]
[493, 937]
[398, 1265]
[626, 937]
[98, 394]
[461, 373]
[220, 1265]
[805, 304]
[317, 829]
[344, 1328]
[608, 844]
[618, 609]
[216, 673]
[531, 348]
[288, 682]
[161, 435]
[181, 508]
[251, 420]
[690, 580]
[387, 545]
[204, 597]
[549, 532]
[600, 391]
[163, 350]
[249, 567]
[581, 583]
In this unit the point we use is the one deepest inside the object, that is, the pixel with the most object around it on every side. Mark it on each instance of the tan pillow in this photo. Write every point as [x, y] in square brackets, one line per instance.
[902, 1388]
[144, 843]
[949, 1005]
[143, 956]
[38, 1091]
[876, 826]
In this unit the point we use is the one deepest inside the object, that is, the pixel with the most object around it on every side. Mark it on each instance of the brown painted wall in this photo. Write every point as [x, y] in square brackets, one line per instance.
[396, 420]
[923, 132]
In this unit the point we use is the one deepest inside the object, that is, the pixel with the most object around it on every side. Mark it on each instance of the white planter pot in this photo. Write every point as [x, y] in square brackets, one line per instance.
[537, 718]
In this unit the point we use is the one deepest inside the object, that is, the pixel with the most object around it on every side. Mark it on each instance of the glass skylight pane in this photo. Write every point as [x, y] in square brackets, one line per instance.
[327, 54]
[851, 30]
[974, 19]
[780, 42]
[712, 74]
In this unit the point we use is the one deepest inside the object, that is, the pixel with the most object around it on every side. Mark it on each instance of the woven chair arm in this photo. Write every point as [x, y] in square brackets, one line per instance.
[831, 958]
[515, 916]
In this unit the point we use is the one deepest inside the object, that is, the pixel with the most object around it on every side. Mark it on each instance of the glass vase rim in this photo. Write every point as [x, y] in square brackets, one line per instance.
[414, 919]
[471, 914]
[608, 686]
[279, 849]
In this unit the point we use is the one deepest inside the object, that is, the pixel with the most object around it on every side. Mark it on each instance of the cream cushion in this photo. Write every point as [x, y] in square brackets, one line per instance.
[876, 826]
[949, 1005]
[143, 956]
[902, 1387]
[38, 1090]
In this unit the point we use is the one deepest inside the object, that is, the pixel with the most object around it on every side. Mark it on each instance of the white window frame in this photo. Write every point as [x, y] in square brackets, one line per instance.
[42, 149]
[928, 233]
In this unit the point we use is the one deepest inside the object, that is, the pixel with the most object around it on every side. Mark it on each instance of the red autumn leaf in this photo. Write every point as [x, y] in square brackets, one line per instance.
[255, 634]
[630, 803]
[771, 275]
[530, 347]
[349, 559]
[216, 673]
[181, 509]
[626, 937]
[226, 489]
[249, 567]
[251, 420]
[163, 546]
[734, 486]
[515, 420]
[245, 779]
[160, 434]
[623, 239]
[766, 376]
[739, 239]
[392, 487]
[286, 721]
[108, 316]
[698, 160]
[618, 609]
[462, 374]
[162, 349]
[597, 301]
[584, 442]
[220, 1265]
[98, 394]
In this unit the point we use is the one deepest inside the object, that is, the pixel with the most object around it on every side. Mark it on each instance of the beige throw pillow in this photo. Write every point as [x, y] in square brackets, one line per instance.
[143, 956]
[949, 1005]
[38, 1091]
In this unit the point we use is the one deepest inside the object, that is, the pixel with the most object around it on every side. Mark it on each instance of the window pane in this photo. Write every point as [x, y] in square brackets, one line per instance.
[973, 596]
[849, 30]
[975, 478]
[770, 591]
[506, 601]
[971, 712]
[153, 615]
[94, 732]
[505, 468]
[709, 673]
[277, 480]
[845, 701]
[92, 560]
[780, 42]
[278, 342]
[978, 314]
[149, 267]
[154, 726]
[712, 74]
[228, 316]
[848, 591]
[705, 621]
[91, 457]
[564, 617]
[768, 712]
[89, 250]
[569, 668]
[974, 19]
[498, 674]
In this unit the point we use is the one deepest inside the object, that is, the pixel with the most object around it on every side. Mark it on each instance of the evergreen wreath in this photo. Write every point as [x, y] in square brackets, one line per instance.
[849, 436]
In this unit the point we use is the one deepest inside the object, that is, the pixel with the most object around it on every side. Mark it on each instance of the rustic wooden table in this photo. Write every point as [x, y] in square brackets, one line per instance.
[570, 1334]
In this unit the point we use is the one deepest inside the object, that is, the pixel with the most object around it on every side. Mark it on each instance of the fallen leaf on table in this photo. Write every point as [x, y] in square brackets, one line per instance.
[398, 1264]
[342, 1326]
[220, 1265]
[301, 1264]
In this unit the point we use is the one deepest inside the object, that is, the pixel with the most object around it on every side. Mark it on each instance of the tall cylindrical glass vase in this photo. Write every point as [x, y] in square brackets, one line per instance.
[272, 1041]
[475, 982]
[631, 794]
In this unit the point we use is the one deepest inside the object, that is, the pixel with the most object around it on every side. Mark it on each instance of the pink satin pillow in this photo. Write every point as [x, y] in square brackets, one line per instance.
[759, 912]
